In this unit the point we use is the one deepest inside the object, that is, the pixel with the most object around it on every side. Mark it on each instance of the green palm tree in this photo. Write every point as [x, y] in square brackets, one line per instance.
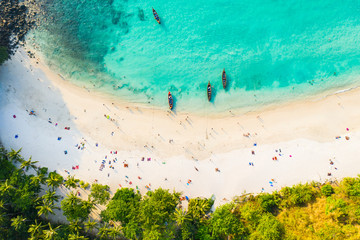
[5, 186]
[72, 198]
[51, 197]
[28, 164]
[46, 208]
[115, 232]
[90, 225]
[15, 156]
[42, 170]
[103, 231]
[75, 226]
[203, 207]
[35, 229]
[50, 233]
[88, 205]
[73, 236]
[198, 208]
[18, 222]
[54, 180]
[181, 217]
[2, 204]
[35, 180]
[71, 181]
[40, 178]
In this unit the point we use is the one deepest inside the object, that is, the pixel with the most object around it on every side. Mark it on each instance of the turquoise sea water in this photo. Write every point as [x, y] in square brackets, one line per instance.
[272, 50]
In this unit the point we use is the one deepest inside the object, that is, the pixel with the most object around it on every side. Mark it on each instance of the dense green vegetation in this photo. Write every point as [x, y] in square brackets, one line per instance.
[28, 197]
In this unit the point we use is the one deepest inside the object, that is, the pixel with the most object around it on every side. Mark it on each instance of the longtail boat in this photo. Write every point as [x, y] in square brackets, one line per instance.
[224, 82]
[209, 91]
[171, 101]
[156, 16]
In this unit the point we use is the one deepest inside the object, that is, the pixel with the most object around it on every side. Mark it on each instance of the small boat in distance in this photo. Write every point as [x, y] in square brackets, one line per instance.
[156, 16]
[171, 101]
[224, 82]
[209, 91]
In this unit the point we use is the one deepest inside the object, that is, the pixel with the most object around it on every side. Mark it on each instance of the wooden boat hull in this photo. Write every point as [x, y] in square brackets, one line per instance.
[156, 16]
[224, 81]
[209, 91]
[171, 101]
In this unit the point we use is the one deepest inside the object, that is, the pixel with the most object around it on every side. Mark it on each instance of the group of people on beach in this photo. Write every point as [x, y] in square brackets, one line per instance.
[113, 160]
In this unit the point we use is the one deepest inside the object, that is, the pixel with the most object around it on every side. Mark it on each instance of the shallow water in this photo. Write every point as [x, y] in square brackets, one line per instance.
[273, 51]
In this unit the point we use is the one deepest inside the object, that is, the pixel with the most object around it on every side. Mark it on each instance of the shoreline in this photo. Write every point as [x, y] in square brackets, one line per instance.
[257, 109]
[176, 143]
[212, 110]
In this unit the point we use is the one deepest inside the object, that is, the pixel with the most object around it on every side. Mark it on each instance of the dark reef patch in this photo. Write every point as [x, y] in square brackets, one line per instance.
[141, 14]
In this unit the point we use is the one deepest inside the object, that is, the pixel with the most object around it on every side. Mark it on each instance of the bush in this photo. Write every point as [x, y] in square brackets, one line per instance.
[338, 208]
[330, 232]
[100, 193]
[203, 233]
[327, 190]
[251, 213]
[269, 202]
[298, 195]
[351, 186]
[269, 228]
[225, 224]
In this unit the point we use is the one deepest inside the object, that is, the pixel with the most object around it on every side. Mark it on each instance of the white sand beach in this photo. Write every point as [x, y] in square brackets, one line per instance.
[176, 147]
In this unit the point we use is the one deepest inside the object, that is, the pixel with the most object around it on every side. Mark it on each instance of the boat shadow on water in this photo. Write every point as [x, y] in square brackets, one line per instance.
[163, 25]
[229, 82]
[174, 105]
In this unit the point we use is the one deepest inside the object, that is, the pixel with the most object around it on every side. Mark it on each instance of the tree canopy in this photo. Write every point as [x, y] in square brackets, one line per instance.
[75, 208]
[100, 193]
[224, 224]
[269, 228]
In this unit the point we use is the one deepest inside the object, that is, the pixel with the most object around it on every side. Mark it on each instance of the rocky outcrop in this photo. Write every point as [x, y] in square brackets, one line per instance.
[14, 24]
